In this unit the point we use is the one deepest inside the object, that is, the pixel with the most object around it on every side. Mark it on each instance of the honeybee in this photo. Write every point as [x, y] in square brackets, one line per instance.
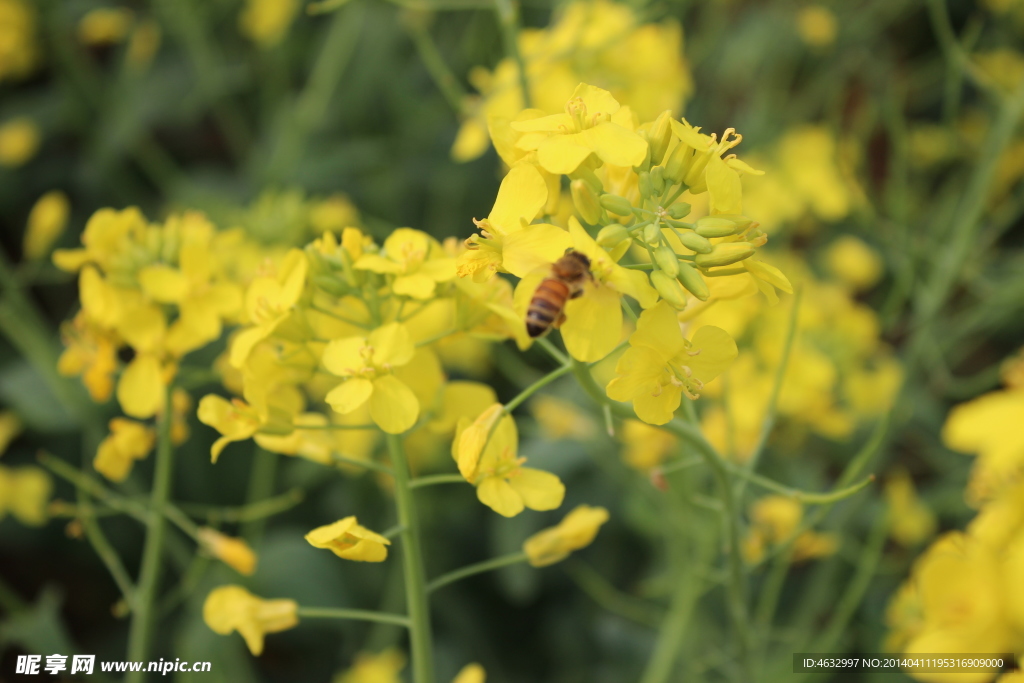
[547, 306]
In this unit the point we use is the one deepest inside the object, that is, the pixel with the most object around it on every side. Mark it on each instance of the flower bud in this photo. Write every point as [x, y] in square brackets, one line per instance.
[643, 181]
[714, 226]
[611, 235]
[658, 178]
[678, 162]
[586, 202]
[620, 206]
[659, 135]
[652, 234]
[692, 280]
[725, 254]
[669, 288]
[679, 210]
[666, 259]
[586, 174]
[695, 242]
[331, 285]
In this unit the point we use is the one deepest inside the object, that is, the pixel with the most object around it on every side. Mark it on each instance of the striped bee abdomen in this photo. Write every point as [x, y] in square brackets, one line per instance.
[546, 306]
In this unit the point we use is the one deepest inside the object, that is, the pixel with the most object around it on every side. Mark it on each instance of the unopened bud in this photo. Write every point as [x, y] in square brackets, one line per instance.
[679, 210]
[669, 288]
[725, 254]
[667, 259]
[692, 280]
[678, 162]
[715, 226]
[658, 179]
[331, 285]
[643, 181]
[620, 206]
[586, 174]
[695, 242]
[586, 202]
[652, 234]
[742, 222]
[611, 235]
[659, 135]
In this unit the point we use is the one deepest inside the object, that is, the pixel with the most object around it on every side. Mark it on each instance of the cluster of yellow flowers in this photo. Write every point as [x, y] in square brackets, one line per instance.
[964, 593]
[597, 42]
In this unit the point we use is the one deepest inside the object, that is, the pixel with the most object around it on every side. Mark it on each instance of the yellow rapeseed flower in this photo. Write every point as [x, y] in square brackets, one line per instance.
[817, 25]
[367, 364]
[232, 608]
[46, 222]
[24, 492]
[232, 551]
[10, 427]
[19, 141]
[127, 442]
[265, 22]
[19, 51]
[382, 667]
[347, 539]
[773, 520]
[105, 25]
[913, 522]
[486, 453]
[853, 262]
[415, 259]
[268, 301]
[645, 446]
[661, 365]
[577, 530]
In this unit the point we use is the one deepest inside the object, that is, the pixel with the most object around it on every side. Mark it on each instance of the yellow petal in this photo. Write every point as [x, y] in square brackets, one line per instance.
[615, 145]
[162, 283]
[539, 490]
[377, 264]
[635, 283]
[140, 390]
[471, 673]
[520, 197]
[658, 328]
[343, 357]
[562, 154]
[349, 395]
[638, 370]
[393, 406]
[769, 274]
[715, 351]
[724, 189]
[593, 324]
[597, 100]
[391, 344]
[658, 408]
[533, 246]
[496, 494]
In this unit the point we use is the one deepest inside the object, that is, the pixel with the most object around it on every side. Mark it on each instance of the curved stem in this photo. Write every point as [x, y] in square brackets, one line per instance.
[141, 630]
[412, 567]
[478, 568]
[508, 17]
[434, 479]
[357, 614]
[536, 386]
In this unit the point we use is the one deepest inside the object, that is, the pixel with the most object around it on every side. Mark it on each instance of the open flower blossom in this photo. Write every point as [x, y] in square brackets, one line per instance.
[593, 123]
[661, 365]
[415, 259]
[576, 530]
[367, 364]
[232, 551]
[232, 608]
[127, 442]
[350, 541]
[486, 453]
[508, 241]
[235, 420]
[699, 165]
[268, 301]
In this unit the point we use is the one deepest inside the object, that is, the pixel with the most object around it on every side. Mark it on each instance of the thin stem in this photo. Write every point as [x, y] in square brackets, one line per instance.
[552, 350]
[478, 568]
[368, 464]
[438, 69]
[611, 598]
[248, 512]
[262, 480]
[436, 337]
[535, 387]
[953, 51]
[357, 614]
[141, 630]
[412, 565]
[508, 17]
[435, 479]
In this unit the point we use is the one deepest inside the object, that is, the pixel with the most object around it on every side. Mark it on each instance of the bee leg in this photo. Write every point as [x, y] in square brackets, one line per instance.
[558, 323]
[576, 295]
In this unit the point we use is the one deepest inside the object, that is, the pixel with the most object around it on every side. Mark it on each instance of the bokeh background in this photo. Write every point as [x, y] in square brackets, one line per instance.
[889, 130]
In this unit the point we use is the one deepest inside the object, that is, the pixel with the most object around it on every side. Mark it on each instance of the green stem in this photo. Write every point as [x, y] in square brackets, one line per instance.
[508, 18]
[262, 476]
[435, 479]
[611, 598]
[357, 614]
[438, 69]
[535, 387]
[368, 464]
[141, 630]
[412, 565]
[478, 568]
[248, 512]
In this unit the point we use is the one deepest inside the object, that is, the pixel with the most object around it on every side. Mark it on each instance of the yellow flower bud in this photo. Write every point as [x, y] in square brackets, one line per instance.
[652, 234]
[127, 442]
[643, 181]
[587, 204]
[234, 552]
[717, 226]
[577, 530]
[679, 210]
[695, 242]
[659, 136]
[350, 541]
[725, 254]
[620, 206]
[658, 179]
[232, 608]
[612, 235]
[19, 141]
[46, 222]
[691, 278]
[105, 26]
[24, 492]
[667, 259]
[678, 162]
[669, 288]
